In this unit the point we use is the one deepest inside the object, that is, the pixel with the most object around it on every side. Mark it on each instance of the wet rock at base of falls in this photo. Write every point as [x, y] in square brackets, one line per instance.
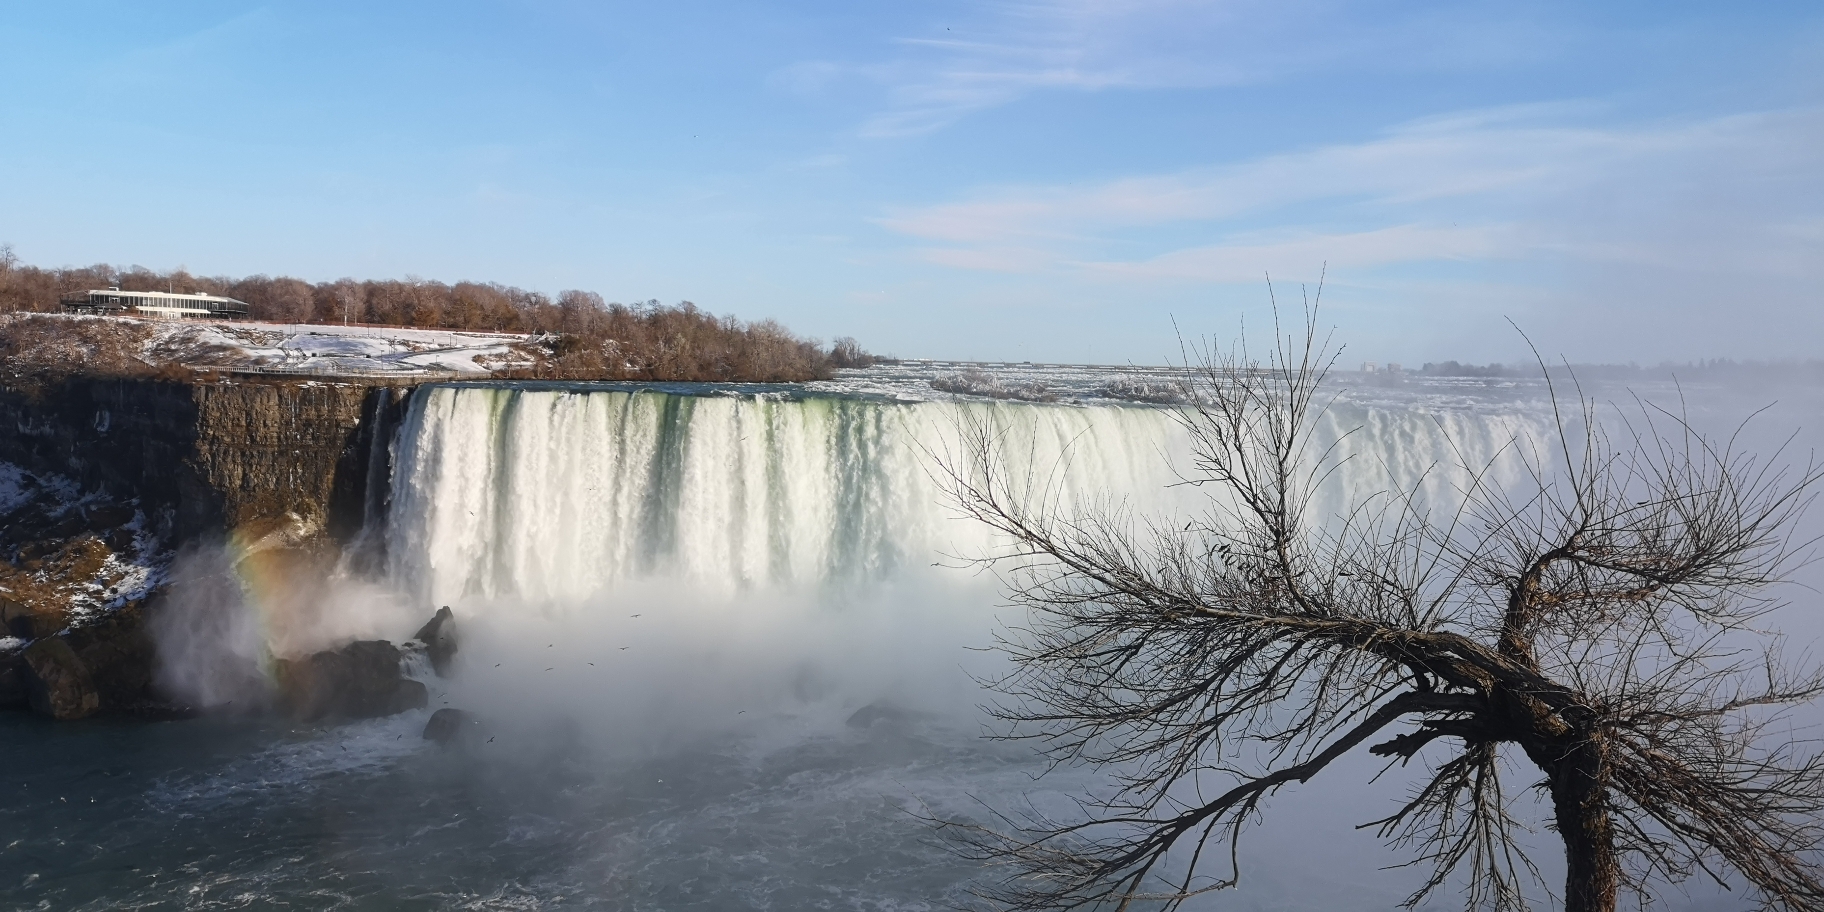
[447, 726]
[439, 639]
[120, 656]
[359, 681]
[882, 712]
[105, 665]
[58, 683]
[15, 686]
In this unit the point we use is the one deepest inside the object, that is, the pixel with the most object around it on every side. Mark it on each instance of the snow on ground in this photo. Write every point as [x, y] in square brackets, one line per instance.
[913, 380]
[57, 555]
[328, 349]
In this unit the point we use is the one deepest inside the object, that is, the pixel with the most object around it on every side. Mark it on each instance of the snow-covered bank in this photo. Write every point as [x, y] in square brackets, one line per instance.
[335, 349]
[117, 342]
[67, 556]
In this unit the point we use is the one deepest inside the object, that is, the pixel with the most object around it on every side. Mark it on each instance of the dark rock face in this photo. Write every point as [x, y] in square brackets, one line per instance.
[439, 639]
[205, 457]
[107, 516]
[15, 680]
[183, 461]
[19, 620]
[105, 666]
[120, 657]
[59, 684]
[446, 725]
[358, 681]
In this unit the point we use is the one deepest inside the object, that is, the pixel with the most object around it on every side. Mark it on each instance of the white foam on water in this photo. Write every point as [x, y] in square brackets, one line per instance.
[308, 759]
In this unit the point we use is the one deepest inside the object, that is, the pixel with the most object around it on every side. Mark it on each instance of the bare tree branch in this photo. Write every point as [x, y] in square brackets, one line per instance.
[1596, 623]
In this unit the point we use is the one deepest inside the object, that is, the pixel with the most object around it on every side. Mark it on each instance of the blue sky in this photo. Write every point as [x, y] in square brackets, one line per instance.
[1035, 180]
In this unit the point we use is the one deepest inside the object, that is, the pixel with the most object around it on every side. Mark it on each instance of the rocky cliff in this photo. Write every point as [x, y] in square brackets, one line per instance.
[203, 458]
[106, 478]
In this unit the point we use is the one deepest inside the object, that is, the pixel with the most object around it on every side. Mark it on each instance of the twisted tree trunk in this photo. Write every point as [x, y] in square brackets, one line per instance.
[1579, 797]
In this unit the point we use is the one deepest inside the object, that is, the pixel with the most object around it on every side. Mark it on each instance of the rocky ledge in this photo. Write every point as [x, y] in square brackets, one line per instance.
[361, 680]
[364, 679]
[108, 666]
[103, 666]
[103, 480]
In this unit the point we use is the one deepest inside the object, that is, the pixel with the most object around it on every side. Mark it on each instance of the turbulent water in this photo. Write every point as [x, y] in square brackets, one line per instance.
[719, 650]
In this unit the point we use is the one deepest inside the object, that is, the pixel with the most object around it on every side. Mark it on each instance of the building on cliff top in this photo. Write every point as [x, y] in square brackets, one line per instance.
[151, 303]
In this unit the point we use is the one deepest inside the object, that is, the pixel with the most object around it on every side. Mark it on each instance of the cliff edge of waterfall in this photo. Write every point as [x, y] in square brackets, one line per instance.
[104, 480]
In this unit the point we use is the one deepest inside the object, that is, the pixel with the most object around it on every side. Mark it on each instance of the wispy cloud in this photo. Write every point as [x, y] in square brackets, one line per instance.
[1733, 192]
[185, 57]
[1248, 259]
[1002, 52]
[1016, 49]
[1430, 160]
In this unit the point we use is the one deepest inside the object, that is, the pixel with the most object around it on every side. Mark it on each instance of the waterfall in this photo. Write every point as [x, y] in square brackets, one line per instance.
[557, 494]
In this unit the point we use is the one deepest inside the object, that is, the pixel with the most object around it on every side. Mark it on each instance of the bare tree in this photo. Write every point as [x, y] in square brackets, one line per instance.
[350, 296]
[1599, 623]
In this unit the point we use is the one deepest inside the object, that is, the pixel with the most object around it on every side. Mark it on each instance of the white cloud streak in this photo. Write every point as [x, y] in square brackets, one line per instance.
[1741, 192]
[1010, 50]
[1021, 48]
[1246, 260]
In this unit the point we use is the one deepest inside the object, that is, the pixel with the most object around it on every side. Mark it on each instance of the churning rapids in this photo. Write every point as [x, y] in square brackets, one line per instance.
[721, 651]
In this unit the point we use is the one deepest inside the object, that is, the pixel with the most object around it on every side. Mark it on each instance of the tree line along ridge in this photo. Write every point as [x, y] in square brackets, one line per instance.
[593, 338]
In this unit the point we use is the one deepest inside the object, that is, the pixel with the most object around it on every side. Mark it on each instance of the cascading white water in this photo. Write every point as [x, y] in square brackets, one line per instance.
[558, 494]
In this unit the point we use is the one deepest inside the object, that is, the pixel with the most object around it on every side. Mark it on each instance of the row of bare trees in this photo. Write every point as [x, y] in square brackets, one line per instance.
[601, 340]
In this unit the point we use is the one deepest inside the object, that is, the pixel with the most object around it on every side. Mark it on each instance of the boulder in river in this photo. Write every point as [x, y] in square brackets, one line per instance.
[439, 639]
[447, 725]
[358, 681]
[58, 683]
[881, 712]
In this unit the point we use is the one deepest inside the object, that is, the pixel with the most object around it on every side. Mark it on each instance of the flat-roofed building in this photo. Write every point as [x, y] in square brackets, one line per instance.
[152, 303]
